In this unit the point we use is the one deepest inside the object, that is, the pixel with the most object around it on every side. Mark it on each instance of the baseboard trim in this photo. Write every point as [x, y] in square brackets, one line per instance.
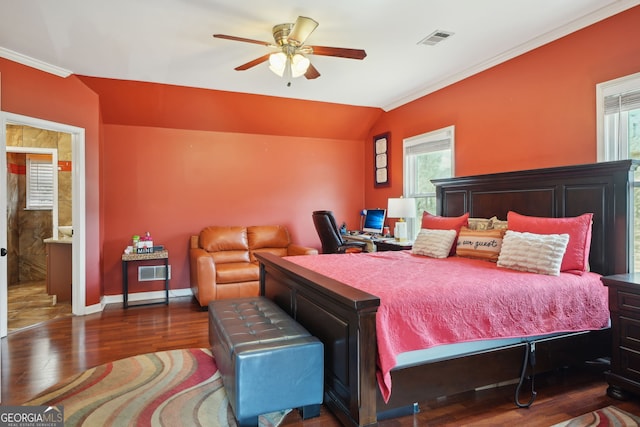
[142, 296]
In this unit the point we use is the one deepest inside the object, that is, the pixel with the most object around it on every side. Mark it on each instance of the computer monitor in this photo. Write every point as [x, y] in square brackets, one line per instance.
[374, 221]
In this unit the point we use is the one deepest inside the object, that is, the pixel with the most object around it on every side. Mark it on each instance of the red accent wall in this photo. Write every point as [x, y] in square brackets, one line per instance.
[33, 93]
[150, 104]
[536, 110]
[174, 182]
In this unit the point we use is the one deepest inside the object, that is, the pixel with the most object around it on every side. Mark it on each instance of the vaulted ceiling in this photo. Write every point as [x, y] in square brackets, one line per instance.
[170, 41]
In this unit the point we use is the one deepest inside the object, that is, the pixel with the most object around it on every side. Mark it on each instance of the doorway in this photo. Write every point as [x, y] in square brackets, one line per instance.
[38, 200]
[78, 215]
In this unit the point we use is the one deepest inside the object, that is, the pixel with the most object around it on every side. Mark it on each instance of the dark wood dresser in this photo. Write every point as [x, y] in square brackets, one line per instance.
[624, 304]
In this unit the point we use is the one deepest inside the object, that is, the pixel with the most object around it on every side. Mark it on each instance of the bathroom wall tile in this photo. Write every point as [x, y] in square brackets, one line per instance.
[40, 138]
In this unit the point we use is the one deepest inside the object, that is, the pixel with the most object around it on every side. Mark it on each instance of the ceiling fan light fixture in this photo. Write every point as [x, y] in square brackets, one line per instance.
[278, 63]
[299, 65]
[289, 61]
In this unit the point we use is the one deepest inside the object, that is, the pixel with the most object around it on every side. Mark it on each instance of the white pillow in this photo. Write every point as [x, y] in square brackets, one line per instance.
[434, 243]
[537, 253]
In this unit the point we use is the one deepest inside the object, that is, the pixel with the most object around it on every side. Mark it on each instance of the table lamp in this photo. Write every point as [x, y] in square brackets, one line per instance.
[401, 208]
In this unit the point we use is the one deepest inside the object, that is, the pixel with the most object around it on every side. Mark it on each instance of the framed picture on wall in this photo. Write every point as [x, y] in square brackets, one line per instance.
[381, 160]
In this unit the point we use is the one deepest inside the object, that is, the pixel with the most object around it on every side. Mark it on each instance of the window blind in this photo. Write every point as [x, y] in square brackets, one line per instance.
[428, 147]
[39, 184]
[618, 103]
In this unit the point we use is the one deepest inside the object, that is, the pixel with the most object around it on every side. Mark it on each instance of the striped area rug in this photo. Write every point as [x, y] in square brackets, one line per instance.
[605, 417]
[170, 388]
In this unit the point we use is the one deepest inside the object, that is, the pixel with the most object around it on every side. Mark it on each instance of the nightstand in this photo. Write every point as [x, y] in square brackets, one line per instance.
[392, 245]
[624, 304]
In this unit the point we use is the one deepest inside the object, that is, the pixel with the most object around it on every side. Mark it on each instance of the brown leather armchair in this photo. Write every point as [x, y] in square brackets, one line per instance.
[222, 264]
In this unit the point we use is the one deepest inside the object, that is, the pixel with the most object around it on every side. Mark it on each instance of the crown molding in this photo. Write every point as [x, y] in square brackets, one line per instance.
[33, 63]
[573, 26]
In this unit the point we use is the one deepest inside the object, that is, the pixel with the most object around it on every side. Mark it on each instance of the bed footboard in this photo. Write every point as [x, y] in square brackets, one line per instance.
[344, 319]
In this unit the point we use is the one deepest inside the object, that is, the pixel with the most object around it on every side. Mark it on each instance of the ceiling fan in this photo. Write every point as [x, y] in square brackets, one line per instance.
[290, 59]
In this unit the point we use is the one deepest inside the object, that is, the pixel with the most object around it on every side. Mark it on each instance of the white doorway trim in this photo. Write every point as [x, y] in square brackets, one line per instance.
[78, 209]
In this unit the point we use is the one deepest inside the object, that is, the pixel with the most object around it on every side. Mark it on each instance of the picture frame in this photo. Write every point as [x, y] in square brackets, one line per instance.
[381, 147]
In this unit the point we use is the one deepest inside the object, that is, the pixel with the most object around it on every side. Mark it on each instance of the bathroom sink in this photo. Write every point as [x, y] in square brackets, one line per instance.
[66, 230]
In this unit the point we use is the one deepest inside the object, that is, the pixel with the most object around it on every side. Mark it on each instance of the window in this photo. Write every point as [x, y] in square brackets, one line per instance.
[426, 157]
[619, 137]
[39, 182]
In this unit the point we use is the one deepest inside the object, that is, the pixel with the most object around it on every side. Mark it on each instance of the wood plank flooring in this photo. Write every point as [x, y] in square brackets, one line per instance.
[38, 357]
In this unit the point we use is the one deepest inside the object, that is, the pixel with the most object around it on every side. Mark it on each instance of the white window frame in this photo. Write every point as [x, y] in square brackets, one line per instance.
[619, 150]
[430, 141]
[611, 87]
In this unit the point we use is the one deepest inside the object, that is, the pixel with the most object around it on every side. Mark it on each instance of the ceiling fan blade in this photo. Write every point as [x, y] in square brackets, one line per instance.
[242, 39]
[253, 63]
[312, 73]
[338, 51]
[301, 30]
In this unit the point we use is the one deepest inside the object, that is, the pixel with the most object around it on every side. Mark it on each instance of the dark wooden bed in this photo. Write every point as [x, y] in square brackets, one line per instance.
[344, 317]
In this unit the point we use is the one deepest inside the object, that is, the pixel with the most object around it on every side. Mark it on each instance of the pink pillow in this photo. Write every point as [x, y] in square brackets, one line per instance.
[576, 257]
[434, 222]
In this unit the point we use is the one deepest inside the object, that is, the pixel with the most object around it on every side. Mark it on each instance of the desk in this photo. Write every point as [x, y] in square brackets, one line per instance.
[127, 258]
[392, 245]
[371, 247]
[379, 244]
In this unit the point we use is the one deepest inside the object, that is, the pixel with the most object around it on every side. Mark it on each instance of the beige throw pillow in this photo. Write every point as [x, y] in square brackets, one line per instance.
[434, 243]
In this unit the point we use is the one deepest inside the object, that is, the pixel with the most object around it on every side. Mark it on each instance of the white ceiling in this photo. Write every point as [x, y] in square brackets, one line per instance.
[170, 41]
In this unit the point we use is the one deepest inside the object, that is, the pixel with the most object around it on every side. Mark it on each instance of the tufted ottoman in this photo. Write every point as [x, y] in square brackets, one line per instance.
[268, 362]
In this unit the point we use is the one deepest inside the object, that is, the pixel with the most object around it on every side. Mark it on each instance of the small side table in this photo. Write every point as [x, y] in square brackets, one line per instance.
[127, 258]
[392, 245]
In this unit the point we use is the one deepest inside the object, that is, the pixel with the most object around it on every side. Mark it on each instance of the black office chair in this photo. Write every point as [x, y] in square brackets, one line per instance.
[330, 238]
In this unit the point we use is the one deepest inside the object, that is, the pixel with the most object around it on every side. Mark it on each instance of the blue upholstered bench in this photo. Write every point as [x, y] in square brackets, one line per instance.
[268, 362]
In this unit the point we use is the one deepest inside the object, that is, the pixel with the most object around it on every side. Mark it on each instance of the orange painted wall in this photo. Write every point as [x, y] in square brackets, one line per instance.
[177, 159]
[174, 182]
[536, 110]
[37, 94]
[156, 105]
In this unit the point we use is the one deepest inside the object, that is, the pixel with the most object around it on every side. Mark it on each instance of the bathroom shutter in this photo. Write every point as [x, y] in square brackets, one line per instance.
[39, 183]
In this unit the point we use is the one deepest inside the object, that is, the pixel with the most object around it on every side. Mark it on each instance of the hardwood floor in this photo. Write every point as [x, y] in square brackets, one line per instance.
[28, 304]
[38, 357]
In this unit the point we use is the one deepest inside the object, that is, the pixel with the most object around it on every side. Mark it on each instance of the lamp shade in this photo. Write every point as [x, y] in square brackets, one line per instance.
[401, 208]
[299, 65]
[294, 66]
[278, 62]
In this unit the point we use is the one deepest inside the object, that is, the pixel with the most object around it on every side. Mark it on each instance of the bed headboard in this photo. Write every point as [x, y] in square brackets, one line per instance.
[603, 189]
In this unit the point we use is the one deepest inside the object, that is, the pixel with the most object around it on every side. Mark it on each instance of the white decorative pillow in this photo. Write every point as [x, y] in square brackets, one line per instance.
[537, 253]
[434, 243]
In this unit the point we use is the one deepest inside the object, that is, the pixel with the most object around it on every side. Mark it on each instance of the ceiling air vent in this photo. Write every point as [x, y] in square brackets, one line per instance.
[435, 37]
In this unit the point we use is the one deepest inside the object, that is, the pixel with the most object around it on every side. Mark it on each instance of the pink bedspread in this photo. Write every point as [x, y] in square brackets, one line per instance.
[425, 302]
